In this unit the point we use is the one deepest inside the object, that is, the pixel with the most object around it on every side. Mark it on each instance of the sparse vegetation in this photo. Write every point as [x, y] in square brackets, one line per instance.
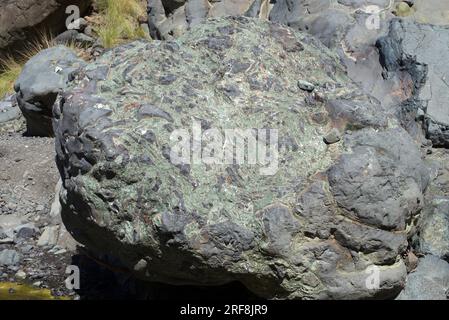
[11, 67]
[119, 21]
[9, 71]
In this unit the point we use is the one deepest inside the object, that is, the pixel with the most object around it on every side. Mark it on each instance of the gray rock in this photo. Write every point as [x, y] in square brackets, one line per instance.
[306, 86]
[49, 236]
[428, 70]
[9, 257]
[21, 21]
[328, 25]
[42, 78]
[361, 3]
[20, 275]
[27, 248]
[332, 137]
[26, 231]
[75, 37]
[311, 229]
[167, 21]
[9, 110]
[89, 31]
[434, 229]
[79, 24]
[430, 281]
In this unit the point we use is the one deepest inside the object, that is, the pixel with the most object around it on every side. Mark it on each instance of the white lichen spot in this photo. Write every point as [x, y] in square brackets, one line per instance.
[102, 106]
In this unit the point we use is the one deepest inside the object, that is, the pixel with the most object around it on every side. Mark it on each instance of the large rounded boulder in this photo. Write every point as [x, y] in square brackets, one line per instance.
[322, 212]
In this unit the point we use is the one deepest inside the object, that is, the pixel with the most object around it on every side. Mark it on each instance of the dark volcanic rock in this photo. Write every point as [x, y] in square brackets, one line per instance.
[168, 19]
[42, 79]
[430, 281]
[21, 21]
[421, 51]
[434, 229]
[311, 227]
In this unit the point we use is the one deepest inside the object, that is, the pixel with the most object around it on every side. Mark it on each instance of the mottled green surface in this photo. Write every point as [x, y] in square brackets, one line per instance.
[294, 234]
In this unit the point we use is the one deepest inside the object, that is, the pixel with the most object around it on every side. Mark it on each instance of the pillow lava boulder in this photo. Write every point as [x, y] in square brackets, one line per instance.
[329, 220]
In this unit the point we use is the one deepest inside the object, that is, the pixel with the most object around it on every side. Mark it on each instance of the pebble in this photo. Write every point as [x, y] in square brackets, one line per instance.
[306, 86]
[332, 137]
[26, 231]
[21, 275]
[62, 251]
[49, 237]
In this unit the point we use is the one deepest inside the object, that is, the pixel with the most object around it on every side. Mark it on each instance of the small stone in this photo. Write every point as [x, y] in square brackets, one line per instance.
[61, 251]
[27, 248]
[430, 280]
[49, 237]
[306, 86]
[21, 275]
[37, 284]
[40, 208]
[26, 231]
[141, 265]
[79, 24]
[332, 137]
[89, 31]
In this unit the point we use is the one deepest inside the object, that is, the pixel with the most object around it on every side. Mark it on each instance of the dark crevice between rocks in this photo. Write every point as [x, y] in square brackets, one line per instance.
[98, 282]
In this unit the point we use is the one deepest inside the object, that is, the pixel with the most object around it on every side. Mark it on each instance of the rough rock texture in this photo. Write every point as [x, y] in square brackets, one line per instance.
[170, 19]
[9, 110]
[431, 11]
[21, 21]
[430, 281]
[351, 28]
[41, 80]
[421, 51]
[9, 257]
[313, 229]
[434, 230]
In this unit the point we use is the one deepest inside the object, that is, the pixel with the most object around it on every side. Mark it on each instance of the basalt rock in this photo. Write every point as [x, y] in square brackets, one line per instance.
[170, 19]
[430, 281]
[309, 220]
[434, 229]
[43, 77]
[419, 50]
[22, 21]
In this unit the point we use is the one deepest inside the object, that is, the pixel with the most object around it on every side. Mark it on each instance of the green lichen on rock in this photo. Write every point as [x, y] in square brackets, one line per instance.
[309, 229]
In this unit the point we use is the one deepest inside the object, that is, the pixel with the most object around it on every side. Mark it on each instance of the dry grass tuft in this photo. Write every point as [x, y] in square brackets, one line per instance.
[118, 21]
[11, 67]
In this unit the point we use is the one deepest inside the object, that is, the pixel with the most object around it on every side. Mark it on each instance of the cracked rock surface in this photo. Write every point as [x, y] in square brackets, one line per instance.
[311, 230]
